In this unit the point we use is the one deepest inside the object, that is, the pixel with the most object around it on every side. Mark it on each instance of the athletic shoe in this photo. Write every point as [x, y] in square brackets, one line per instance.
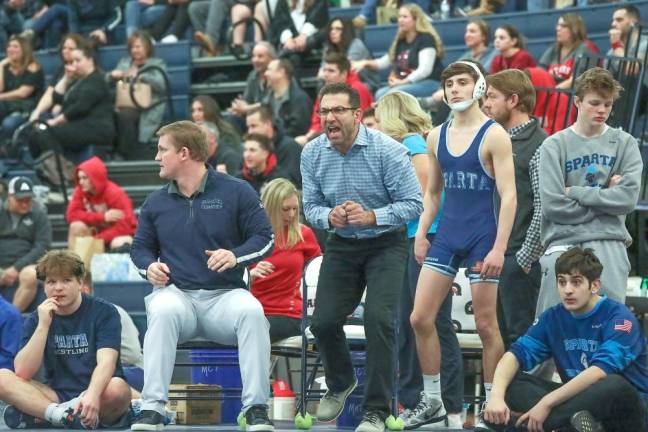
[332, 403]
[16, 419]
[584, 421]
[148, 420]
[72, 420]
[256, 419]
[372, 421]
[428, 410]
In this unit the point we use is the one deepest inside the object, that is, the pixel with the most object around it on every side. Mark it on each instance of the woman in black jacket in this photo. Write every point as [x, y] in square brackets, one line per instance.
[87, 110]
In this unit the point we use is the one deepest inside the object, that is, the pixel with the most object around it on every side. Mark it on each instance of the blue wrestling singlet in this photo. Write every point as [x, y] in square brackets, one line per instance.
[468, 226]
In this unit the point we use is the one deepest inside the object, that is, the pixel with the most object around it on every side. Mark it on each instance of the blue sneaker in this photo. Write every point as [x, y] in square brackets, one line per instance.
[16, 419]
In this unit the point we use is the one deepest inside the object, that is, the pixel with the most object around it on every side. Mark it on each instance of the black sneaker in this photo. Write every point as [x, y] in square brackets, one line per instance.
[256, 419]
[16, 419]
[584, 421]
[148, 420]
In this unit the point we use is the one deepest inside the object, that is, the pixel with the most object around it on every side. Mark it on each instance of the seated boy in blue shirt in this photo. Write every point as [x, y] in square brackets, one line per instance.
[600, 353]
[10, 328]
[77, 339]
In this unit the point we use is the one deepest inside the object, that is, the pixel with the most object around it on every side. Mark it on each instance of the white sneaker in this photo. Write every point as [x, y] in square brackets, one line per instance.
[429, 410]
[169, 39]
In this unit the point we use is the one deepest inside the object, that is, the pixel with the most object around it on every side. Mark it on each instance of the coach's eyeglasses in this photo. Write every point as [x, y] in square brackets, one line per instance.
[323, 112]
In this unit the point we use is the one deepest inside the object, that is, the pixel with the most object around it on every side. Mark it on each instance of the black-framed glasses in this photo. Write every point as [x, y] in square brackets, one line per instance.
[323, 112]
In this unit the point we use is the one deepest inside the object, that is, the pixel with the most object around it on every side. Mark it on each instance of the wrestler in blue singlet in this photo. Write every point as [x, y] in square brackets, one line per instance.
[468, 226]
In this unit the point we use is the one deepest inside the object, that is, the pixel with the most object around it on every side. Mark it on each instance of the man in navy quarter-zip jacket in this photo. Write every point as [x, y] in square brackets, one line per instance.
[194, 238]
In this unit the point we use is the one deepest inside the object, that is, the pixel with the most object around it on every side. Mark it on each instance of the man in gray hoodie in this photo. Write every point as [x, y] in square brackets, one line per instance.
[590, 175]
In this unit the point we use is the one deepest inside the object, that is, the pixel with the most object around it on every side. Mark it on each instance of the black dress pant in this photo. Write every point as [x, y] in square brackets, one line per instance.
[612, 400]
[348, 267]
[517, 295]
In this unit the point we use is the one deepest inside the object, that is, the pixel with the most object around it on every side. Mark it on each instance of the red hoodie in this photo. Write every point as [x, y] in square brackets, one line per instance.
[90, 208]
[551, 107]
[366, 99]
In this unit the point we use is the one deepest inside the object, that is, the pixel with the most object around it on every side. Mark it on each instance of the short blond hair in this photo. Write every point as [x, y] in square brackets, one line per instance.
[597, 80]
[187, 134]
[401, 115]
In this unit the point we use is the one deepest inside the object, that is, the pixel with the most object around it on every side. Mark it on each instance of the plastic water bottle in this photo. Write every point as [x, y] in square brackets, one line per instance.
[644, 286]
[445, 9]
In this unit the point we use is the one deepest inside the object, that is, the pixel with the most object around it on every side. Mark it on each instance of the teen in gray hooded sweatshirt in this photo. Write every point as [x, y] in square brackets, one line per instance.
[590, 175]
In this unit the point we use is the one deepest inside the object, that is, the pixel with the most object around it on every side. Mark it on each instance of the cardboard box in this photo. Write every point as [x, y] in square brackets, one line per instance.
[200, 406]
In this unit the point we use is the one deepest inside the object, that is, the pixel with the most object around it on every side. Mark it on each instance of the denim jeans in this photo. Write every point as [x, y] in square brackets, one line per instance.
[139, 16]
[51, 25]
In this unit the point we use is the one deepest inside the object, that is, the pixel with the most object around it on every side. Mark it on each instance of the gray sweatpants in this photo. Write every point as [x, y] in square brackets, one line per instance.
[226, 317]
[614, 279]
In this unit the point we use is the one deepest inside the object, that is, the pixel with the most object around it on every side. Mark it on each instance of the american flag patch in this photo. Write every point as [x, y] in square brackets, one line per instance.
[623, 325]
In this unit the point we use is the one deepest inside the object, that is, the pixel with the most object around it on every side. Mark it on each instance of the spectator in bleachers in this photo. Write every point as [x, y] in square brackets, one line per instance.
[21, 84]
[400, 116]
[46, 22]
[368, 11]
[140, 14]
[25, 236]
[138, 127]
[509, 100]
[197, 269]
[10, 330]
[261, 121]
[86, 115]
[221, 158]
[590, 176]
[11, 19]
[63, 77]
[76, 338]
[173, 23]
[103, 15]
[294, 27]
[130, 350]
[509, 43]
[259, 161]
[360, 184]
[100, 208]
[256, 85]
[560, 58]
[599, 348]
[208, 18]
[205, 108]
[336, 68]
[414, 56]
[622, 37]
[340, 38]
[276, 281]
[477, 38]
[369, 118]
[286, 99]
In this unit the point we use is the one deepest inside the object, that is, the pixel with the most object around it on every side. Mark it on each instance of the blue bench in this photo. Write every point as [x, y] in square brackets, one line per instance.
[534, 25]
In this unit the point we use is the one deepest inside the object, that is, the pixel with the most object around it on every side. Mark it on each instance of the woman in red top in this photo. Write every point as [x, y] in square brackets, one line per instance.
[512, 55]
[559, 59]
[276, 281]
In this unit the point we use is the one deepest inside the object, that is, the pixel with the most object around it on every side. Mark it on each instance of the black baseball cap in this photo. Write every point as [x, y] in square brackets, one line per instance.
[21, 187]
